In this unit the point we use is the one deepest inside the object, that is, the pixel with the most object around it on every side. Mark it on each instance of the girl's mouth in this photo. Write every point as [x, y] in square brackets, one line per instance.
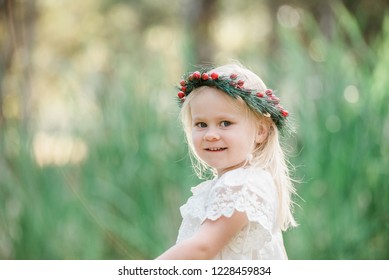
[216, 149]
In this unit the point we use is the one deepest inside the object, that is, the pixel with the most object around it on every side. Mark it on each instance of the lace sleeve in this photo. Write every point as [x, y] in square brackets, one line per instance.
[223, 201]
[248, 194]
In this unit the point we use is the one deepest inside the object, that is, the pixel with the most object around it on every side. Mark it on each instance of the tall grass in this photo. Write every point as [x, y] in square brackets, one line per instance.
[122, 201]
[343, 142]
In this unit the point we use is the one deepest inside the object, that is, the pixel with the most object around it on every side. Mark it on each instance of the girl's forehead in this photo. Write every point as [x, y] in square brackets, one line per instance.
[214, 102]
[212, 97]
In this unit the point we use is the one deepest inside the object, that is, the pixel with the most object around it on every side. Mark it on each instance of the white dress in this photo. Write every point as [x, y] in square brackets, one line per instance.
[246, 189]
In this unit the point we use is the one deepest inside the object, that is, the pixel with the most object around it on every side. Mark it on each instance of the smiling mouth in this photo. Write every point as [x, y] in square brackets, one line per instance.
[215, 149]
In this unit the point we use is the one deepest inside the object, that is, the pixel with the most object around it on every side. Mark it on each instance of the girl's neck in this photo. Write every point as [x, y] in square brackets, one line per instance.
[244, 164]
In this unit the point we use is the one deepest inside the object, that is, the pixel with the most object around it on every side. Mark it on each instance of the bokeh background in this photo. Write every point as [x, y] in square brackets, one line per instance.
[93, 163]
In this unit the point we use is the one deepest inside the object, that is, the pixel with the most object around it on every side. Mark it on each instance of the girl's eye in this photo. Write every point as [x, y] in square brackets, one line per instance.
[201, 124]
[225, 123]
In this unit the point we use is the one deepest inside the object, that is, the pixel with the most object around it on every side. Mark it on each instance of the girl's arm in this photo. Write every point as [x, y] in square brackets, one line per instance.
[209, 240]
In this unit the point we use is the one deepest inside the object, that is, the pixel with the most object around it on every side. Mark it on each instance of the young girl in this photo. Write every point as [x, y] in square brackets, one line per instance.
[232, 123]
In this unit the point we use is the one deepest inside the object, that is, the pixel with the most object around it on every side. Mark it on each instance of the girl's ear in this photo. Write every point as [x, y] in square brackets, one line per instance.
[262, 133]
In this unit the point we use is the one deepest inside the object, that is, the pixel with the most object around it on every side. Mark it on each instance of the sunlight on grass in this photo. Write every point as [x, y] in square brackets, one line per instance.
[58, 149]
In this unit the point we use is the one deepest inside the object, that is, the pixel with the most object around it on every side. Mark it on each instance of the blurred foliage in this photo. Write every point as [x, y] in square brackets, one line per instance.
[93, 161]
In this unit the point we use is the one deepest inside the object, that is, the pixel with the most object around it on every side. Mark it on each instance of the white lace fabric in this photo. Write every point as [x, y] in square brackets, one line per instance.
[249, 190]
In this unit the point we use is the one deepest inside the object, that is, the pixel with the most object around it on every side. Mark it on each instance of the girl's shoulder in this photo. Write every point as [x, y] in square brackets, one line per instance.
[246, 189]
[201, 187]
[246, 175]
[253, 178]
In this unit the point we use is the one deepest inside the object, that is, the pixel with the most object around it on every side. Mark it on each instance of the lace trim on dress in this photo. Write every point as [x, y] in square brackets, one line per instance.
[224, 200]
[244, 190]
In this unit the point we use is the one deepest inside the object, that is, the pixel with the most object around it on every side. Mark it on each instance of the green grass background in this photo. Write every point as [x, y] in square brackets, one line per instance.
[116, 82]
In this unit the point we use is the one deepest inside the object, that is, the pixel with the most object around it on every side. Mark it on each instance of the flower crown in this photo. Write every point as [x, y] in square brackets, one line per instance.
[266, 103]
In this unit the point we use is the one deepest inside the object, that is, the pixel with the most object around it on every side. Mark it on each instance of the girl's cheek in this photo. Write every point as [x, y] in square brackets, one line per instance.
[195, 137]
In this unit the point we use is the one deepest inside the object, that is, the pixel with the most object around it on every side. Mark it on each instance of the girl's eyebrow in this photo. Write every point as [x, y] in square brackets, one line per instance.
[226, 117]
[218, 116]
[197, 118]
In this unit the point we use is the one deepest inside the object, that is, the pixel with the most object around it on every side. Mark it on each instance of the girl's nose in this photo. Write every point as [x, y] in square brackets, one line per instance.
[211, 135]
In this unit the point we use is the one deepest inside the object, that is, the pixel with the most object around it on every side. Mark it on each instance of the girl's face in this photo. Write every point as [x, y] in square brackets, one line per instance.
[222, 133]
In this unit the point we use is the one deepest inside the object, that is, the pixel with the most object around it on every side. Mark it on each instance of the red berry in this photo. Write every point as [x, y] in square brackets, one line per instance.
[180, 94]
[190, 78]
[234, 76]
[214, 76]
[183, 88]
[285, 113]
[275, 99]
[196, 75]
[240, 83]
[269, 92]
[183, 82]
[205, 76]
[260, 94]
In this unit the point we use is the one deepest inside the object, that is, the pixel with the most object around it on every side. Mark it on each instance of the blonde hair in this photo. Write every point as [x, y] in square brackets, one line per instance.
[268, 155]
